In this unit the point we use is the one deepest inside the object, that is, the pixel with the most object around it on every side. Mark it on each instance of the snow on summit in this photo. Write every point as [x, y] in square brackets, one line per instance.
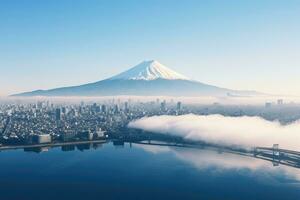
[149, 70]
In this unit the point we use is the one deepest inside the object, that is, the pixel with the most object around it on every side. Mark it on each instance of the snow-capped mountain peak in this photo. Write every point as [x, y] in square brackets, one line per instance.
[149, 78]
[149, 70]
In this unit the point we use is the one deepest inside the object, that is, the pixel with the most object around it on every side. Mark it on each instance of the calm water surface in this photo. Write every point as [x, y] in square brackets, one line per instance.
[142, 172]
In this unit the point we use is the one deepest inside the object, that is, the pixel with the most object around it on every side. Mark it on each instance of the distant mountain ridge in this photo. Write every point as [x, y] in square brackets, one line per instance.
[149, 78]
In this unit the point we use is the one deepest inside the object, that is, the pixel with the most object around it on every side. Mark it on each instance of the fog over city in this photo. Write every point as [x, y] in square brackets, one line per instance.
[223, 130]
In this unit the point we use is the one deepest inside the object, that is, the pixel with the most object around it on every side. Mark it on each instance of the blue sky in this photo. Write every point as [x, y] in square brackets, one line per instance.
[249, 44]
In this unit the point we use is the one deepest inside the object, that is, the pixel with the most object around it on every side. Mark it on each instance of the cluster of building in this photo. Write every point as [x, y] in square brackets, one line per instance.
[46, 122]
[51, 122]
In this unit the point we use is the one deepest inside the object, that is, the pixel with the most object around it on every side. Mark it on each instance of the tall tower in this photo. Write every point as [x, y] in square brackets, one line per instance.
[178, 106]
[126, 107]
[57, 114]
[163, 106]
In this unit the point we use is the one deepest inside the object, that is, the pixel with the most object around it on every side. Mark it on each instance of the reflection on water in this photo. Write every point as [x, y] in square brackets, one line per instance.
[119, 170]
[223, 161]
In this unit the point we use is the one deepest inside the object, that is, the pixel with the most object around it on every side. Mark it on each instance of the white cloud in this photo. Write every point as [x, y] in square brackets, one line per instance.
[242, 131]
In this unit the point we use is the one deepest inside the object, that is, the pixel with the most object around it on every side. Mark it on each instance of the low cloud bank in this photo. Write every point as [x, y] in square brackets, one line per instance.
[240, 131]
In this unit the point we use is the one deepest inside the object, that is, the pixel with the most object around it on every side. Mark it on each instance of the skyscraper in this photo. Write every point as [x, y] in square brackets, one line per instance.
[116, 108]
[64, 110]
[163, 106]
[126, 107]
[178, 106]
[57, 114]
[103, 108]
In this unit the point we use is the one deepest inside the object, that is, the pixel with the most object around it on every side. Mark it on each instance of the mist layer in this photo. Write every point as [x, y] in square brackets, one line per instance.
[222, 130]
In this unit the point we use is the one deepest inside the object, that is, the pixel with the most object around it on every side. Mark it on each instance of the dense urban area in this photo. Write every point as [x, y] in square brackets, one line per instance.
[45, 122]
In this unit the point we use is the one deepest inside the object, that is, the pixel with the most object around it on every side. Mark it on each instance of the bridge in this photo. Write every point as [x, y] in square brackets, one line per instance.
[273, 154]
[278, 156]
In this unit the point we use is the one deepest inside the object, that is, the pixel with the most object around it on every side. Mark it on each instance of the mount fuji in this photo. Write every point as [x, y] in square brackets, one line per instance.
[149, 70]
[149, 78]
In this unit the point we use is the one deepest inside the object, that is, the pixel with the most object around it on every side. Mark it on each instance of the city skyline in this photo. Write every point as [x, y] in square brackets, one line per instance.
[237, 45]
[151, 99]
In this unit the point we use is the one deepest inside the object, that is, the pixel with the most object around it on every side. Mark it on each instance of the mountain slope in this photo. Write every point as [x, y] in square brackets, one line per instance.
[149, 78]
[149, 70]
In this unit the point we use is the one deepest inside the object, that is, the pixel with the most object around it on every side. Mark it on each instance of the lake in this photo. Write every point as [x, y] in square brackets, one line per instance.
[138, 171]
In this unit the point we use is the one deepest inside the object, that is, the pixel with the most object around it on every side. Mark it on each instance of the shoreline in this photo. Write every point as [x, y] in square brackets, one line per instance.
[57, 144]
